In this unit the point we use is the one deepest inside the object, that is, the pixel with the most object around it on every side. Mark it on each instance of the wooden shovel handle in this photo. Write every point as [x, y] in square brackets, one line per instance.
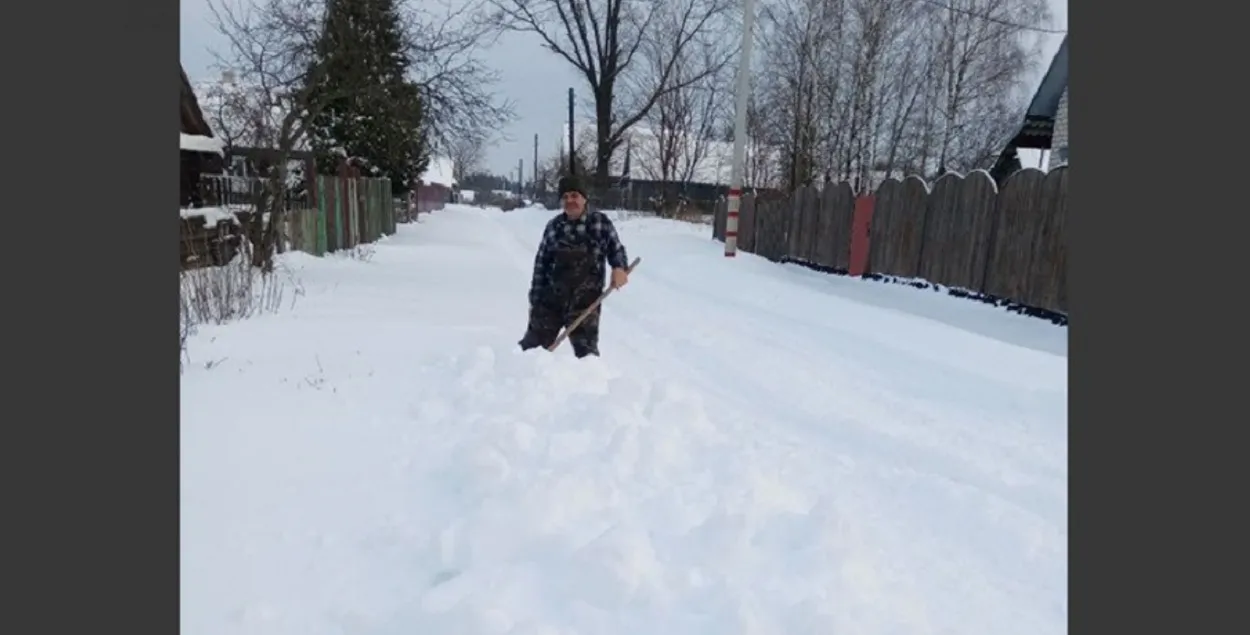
[590, 309]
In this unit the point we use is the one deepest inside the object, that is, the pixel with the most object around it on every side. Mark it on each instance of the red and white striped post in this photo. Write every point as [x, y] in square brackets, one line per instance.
[740, 131]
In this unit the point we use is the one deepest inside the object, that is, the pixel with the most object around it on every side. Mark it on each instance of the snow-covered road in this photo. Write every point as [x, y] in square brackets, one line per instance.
[762, 449]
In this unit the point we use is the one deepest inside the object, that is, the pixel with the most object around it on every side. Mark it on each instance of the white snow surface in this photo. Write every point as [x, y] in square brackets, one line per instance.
[214, 215]
[761, 450]
[440, 171]
[199, 143]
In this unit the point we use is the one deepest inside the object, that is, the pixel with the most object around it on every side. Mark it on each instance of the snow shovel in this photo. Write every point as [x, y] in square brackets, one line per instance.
[584, 314]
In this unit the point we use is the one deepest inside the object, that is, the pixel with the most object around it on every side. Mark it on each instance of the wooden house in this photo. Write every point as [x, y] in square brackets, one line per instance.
[198, 151]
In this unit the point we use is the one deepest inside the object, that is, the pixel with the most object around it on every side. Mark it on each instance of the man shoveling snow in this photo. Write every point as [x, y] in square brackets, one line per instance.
[569, 270]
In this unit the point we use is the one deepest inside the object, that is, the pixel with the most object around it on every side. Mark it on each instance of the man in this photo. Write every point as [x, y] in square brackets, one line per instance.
[569, 270]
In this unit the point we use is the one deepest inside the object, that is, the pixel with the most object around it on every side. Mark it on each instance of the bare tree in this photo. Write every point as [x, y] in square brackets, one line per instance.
[604, 39]
[761, 169]
[797, 48]
[466, 153]
[445, 41]
[682, 123]
[863, 89]
[235, 114]
[555, 164]
[980, 59]
[270, 47]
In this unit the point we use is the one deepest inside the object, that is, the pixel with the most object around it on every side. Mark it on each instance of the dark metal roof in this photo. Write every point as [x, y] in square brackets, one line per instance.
[1039, 119]
[1046, 100]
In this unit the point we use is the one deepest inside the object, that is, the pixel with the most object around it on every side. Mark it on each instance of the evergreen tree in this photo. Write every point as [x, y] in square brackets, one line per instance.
[370, 111]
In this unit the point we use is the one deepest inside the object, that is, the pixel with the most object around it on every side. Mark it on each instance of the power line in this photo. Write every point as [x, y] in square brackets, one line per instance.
[981, 16]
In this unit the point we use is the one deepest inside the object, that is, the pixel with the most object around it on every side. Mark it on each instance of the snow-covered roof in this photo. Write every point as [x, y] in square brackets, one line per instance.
[199, 143]
[440, 171]
[713, 167]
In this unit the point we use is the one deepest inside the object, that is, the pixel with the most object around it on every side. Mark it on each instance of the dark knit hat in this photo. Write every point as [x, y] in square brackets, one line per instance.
[570, 183]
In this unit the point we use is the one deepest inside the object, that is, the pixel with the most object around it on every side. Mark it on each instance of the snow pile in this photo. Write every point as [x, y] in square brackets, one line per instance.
[381, 459]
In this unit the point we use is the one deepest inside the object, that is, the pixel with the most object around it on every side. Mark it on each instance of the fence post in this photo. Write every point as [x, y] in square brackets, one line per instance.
[339, 229]
[390, 207]
[349, 213]
[319, 247]
[381, 211]
[384, 193]
[861, 240]
[383, 189]
[375, 218]
[362, 196]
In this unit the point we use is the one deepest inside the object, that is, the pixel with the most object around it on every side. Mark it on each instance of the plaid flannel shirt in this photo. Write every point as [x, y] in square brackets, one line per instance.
[605, 245]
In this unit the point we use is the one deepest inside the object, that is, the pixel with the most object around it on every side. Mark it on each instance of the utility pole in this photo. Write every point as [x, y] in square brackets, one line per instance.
[572, 142]
[520, 178]
[740, 131]
[534, 167]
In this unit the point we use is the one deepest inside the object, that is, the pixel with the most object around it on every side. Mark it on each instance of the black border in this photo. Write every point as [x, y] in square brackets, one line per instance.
[91, 423]
[91, 443]
[1152, 246]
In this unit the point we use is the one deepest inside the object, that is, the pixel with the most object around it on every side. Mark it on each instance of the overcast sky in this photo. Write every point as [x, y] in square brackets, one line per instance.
[536, 80]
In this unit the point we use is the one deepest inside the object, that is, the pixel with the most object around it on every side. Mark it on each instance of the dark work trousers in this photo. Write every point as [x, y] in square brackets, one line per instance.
[577, 282]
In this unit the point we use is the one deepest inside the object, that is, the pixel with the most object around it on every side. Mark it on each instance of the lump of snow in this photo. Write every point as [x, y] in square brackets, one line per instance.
[199, 143]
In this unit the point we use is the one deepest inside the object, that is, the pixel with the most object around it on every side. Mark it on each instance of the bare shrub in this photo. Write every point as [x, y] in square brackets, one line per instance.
[363, 252]
[235, 291]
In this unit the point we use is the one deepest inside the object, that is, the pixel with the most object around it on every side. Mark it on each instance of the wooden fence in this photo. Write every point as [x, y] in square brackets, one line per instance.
[339, 213]
[348, 211]
[964, 232]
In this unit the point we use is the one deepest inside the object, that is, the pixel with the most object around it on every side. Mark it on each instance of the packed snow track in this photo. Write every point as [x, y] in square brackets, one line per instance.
[761, 450]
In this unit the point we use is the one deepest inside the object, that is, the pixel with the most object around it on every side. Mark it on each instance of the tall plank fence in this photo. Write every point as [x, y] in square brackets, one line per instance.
[347, 211]
[338, 213]
[963, 232]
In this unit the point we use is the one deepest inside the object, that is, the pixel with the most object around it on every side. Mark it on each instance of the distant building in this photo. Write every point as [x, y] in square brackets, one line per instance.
[436, 186]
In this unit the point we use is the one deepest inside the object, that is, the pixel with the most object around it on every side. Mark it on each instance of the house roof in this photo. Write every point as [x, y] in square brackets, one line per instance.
[1039, 119]
[192, 118]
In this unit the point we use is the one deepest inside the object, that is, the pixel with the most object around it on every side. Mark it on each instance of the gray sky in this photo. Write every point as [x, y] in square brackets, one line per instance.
[533, 78]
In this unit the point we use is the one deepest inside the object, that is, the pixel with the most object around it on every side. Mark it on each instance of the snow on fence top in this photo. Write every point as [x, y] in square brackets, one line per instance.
[199, 143]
